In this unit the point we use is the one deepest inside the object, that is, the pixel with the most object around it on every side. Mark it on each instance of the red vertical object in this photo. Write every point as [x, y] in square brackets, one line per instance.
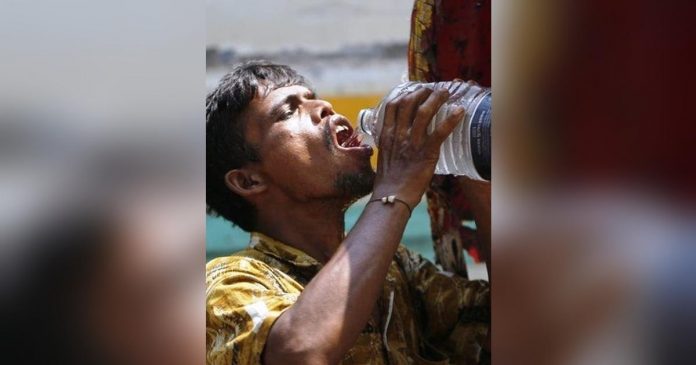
[451, 39]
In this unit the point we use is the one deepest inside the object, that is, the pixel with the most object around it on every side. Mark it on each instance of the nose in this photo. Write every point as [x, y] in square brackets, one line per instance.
[320, 109]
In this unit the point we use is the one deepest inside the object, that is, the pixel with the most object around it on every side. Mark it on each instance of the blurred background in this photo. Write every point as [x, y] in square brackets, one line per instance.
[353, 53]
[102, 182]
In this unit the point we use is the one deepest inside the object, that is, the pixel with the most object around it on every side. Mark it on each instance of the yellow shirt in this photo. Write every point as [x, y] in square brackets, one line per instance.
[428, 316]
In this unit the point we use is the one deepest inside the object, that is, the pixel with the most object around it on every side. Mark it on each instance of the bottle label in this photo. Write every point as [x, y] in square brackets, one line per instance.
[480, 134]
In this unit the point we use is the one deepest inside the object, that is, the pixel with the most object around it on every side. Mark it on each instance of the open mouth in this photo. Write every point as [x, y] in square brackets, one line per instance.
[344, 135]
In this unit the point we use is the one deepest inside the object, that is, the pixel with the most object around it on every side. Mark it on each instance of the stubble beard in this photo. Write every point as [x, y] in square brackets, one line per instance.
[354, 186]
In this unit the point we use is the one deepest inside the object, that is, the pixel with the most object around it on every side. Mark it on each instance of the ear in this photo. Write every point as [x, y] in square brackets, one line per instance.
[245, 182]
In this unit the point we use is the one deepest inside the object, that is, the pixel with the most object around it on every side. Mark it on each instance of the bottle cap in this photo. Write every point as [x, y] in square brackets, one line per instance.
[362, 119]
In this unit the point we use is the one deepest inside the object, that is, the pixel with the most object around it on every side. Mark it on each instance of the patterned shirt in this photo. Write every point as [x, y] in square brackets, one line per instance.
[428, 316]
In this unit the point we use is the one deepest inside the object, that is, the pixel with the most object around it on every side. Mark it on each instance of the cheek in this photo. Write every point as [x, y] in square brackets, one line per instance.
[299, 159]
[289, 148]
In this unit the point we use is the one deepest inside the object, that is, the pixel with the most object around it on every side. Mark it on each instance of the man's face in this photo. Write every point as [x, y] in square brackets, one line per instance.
[307, 150]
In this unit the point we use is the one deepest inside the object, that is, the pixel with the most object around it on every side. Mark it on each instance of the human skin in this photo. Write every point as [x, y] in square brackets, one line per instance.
[298, 202]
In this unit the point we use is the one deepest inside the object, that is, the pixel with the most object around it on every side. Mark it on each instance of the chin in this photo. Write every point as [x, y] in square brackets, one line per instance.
[355, 185]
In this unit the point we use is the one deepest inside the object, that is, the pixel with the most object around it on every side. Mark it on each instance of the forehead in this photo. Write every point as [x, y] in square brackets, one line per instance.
[266, 99]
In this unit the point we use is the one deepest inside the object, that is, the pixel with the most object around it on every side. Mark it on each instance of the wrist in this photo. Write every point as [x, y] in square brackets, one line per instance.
[411, 198]
[392, 200]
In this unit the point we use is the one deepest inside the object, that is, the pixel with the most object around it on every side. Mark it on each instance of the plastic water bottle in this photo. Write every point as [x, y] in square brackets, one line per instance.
[467, 151]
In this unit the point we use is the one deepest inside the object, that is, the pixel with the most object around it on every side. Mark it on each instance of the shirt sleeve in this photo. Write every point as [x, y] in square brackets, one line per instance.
[456, 311]
[241, 306]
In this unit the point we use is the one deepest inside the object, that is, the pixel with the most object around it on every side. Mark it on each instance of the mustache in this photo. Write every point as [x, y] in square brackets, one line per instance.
[328, 137]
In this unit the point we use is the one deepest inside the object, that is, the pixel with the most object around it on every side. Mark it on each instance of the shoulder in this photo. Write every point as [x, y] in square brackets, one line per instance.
[244, 296]
[243, 261]
[248, 271]
[244, 267]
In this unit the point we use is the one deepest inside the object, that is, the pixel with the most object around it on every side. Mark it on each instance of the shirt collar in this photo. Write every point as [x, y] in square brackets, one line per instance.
[269, 246]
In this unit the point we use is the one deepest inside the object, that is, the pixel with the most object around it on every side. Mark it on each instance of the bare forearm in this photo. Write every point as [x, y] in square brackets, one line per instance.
[335, 306]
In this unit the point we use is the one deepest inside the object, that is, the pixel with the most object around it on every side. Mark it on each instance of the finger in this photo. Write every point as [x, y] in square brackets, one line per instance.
[407, 112]
[425, 114]
[458, 87]
[451, 86]
[443, 130]
[386, 136]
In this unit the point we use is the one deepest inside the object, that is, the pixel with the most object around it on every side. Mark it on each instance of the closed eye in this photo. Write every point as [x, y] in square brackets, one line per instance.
[289, 111]
[289, 106]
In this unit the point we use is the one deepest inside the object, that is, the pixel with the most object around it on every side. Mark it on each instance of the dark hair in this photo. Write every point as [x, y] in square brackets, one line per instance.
[226, 146]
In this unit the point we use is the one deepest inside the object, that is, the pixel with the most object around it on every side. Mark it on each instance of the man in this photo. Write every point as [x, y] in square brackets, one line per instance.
[284, 166]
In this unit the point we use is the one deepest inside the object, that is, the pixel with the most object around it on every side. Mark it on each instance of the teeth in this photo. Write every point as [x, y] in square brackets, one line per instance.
[341, 128]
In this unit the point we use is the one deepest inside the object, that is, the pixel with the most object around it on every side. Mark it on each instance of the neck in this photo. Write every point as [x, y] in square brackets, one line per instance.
[316, 228]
